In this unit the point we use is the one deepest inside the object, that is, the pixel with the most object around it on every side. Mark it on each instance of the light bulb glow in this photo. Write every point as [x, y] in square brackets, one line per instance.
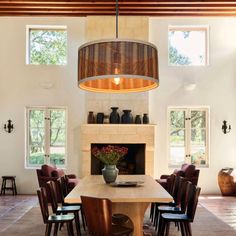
[116, 80]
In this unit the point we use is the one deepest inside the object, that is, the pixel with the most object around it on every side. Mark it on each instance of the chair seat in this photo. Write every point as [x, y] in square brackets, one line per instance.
[68, 208]
[169, 209]
[120, 230]
[60, 218]
[175, 217]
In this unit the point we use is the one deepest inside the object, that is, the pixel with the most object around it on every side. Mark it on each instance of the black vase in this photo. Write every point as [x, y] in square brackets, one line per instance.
[100, 118]
[145, 118]
[127, 117]
[114, 116]
[138, 119]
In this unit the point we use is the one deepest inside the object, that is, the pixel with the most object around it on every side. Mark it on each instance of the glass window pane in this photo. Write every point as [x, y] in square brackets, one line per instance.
[36, 156]
[187, 46]
[58, 118]
[177, 155]
[48, 46]
[198, 119]
[36, 118]
[58, 137]
[57, 155]
[198, 156]
[198, 137]
[177, 119]
[177, 137]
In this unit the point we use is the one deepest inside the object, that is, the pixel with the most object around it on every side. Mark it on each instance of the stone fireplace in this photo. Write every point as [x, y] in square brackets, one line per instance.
[122, 134]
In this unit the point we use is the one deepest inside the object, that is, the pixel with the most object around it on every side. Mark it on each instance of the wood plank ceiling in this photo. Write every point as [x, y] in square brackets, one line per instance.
[107, 7]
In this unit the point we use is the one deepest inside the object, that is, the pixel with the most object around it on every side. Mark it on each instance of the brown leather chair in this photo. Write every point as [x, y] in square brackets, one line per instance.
[98, 215]
[51, 173]
[187, 171]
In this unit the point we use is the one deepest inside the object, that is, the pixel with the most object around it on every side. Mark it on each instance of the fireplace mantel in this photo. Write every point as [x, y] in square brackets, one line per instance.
[117, 133]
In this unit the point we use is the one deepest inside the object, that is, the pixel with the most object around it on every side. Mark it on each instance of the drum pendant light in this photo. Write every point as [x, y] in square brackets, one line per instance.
[118, 65]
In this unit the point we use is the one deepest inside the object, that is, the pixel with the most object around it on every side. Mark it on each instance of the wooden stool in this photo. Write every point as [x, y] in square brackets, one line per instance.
[4, 184]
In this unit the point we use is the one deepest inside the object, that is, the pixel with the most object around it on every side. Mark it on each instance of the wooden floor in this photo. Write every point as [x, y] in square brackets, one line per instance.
[13, 208]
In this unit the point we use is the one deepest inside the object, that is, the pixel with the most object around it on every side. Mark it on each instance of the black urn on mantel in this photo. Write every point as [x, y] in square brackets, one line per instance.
[100, 118]
[114, 116]
[138, 119]
[145, 118]
[127, 117]
[91, 118]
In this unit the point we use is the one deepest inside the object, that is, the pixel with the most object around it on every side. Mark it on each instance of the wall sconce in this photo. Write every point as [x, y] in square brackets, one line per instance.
[225, 128]
[9, 126]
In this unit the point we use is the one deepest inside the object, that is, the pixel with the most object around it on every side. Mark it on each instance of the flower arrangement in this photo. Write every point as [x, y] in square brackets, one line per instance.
[110, 154]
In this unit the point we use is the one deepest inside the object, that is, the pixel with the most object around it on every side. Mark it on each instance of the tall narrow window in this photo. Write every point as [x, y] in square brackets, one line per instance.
[188, 45]
[46, 136]
[47, 45]
[188, 136]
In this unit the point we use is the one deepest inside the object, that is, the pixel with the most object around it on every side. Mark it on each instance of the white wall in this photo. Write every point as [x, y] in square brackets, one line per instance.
[215, 87]
[20, 86]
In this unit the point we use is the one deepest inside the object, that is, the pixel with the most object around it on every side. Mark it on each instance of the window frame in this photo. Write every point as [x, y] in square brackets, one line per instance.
[43, 27]
[191, 28]
[188, 128]
[47, 135]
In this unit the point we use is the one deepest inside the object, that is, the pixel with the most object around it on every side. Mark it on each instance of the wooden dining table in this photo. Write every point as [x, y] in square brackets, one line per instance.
[129, 200]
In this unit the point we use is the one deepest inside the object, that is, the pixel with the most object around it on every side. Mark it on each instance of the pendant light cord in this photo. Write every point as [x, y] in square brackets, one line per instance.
[117, 13]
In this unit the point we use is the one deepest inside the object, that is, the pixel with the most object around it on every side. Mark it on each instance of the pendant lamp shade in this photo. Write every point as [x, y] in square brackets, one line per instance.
[118, 66]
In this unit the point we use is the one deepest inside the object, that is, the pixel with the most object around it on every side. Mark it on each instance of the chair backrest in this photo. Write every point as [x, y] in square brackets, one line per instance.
[170, 184]
[98, 215]
[64, 185]
[52, 189]
[42, 197]
[185, 189]
[193, 201]
[177, 189]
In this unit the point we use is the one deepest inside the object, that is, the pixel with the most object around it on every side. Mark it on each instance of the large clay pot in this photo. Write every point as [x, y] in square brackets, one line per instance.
[227, 181]
[114, 116]
[110, 173]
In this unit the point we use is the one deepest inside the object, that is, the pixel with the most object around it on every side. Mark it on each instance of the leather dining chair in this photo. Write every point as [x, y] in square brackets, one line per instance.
[98, 215]
[51, 220]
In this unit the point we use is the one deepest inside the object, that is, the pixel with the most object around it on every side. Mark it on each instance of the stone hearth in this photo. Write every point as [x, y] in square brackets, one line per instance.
[120, 134]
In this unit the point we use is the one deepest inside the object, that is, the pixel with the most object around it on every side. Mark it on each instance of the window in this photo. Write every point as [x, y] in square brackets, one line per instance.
[46, 136]
[188, 136]
[188, 45]
[47, 45]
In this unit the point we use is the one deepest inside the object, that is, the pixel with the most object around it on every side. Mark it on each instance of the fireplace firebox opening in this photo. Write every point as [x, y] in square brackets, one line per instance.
[132, 164]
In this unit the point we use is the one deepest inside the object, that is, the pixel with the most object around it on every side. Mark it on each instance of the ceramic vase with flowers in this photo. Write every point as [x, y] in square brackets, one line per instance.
[109, 155]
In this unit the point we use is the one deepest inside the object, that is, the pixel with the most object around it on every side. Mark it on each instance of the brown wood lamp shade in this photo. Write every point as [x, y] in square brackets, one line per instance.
[118, 66]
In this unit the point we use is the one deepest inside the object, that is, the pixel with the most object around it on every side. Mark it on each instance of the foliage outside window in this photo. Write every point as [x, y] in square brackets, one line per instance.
[188, 45]
[46, 136]
[47, 46]
[188, 136]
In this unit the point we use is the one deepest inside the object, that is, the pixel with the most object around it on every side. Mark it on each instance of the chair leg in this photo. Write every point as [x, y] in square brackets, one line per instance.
[55, 229]
[188, 228]
[182, 228]
[48, 229]
[167, 228]
[77, 223]
[70, 228]
[83, 218]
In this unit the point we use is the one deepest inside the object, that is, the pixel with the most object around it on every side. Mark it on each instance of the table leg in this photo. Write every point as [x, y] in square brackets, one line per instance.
[135, 211]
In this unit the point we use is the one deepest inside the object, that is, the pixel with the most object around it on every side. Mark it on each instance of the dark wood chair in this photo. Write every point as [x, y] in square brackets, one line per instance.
[49, 220]
[154, 206]
[183, 219]
[181, 204]
[57, 209]
[62, 188]
[98, 215]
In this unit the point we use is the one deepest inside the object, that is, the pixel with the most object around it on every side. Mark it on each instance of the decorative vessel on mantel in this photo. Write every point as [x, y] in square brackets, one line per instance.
[127, 117]
[114, 116]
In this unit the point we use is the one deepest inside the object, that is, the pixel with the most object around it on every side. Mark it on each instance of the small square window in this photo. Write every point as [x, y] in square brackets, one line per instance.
[188, 45]
[47, 45]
